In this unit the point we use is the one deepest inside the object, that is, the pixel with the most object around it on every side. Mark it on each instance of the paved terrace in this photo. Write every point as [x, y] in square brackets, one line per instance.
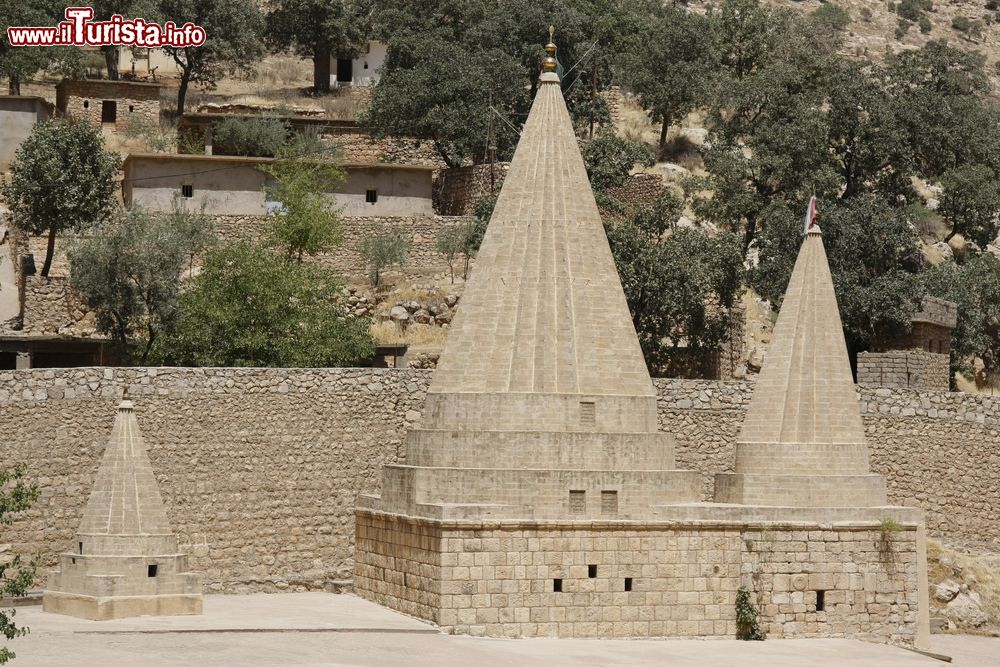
[324, 629]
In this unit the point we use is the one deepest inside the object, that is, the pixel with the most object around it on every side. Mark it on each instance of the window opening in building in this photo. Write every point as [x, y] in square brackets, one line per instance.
[557, 585]
[577, 502]
[591, 571]
[151, 571]
[371, 196]
[628, 584]
[187, 190]
[820, 600]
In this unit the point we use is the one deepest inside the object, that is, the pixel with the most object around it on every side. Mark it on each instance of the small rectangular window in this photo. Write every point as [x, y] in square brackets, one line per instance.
[577, 502]
[591, 571]
[151, 571]
[557, 585]
[80, 544]
[187, 190]
[371, 196]
[588, 415]
[628, 584]
[820, 600]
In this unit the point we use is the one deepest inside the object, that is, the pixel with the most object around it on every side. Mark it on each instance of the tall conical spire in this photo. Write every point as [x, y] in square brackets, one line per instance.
[126, 498]
[543, 313]
[541, 394]
[804, 422]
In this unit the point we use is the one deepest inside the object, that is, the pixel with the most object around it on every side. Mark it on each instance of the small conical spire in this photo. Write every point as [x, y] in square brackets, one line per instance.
[125, 498]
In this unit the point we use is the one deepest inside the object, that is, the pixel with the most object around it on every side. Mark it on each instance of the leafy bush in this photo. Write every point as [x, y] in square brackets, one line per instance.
[610, 158]
[961, 23]
[16, 576]
[250, 307]
[832, 16]
[925, 24]
[254, 136]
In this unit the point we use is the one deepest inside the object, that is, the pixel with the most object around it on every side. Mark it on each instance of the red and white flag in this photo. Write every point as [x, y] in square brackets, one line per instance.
[810, 215]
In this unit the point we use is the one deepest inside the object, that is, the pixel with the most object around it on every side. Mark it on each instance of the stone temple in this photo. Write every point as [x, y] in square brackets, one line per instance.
[538, 497]
[127, 562]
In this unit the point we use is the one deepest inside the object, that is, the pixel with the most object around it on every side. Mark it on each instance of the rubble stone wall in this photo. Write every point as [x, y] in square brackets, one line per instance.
[423, 259]
[457, 190]
[260, 468]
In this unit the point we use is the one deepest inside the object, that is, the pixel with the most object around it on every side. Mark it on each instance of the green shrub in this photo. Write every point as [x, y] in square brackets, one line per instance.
[925, 24]
[961, 23]
[832, 16]
[254, 136]
[747, 624]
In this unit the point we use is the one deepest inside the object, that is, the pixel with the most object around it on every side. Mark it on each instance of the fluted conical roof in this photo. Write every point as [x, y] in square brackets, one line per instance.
[125, 499]
[805, 392]
[544, 311]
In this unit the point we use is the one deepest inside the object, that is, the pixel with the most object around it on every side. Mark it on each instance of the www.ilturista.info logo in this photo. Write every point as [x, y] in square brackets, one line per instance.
[79, 30]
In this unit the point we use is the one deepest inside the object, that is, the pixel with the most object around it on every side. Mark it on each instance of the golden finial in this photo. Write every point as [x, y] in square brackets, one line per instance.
[550, 64]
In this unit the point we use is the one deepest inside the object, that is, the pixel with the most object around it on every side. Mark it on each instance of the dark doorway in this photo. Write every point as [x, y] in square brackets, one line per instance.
[345, 72]
[109, 111]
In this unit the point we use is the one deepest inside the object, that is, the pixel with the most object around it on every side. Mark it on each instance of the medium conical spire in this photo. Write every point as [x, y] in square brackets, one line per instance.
[125, 499]
[803, 443]
[543, 313]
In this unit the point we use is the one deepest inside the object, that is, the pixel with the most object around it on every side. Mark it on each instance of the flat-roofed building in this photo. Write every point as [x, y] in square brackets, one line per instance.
[234, 185]
[18, 116]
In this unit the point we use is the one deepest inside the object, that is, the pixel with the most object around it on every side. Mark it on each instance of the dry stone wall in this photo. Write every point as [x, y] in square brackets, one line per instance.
[457, 190]
[423, 258]
[260, 468]
[52, 308]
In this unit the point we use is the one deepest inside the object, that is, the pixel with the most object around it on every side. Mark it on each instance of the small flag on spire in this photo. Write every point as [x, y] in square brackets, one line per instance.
[810, 215]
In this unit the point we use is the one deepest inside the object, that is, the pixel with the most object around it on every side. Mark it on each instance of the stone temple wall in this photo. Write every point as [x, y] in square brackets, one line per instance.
[260, 468]
[569, 580]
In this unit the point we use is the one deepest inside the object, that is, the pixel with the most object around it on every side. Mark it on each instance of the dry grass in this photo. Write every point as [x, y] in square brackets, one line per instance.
[427, 337]
[981, 573]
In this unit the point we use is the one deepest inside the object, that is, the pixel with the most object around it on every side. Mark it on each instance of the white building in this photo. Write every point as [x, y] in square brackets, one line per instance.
[361, 71]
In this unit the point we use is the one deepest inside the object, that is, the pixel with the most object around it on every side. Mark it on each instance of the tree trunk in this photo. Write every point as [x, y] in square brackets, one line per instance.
[954, 230]
[663, 134]
[49, 252]
[321, 67]
[14, 86]
[182, 91]
[111, 57]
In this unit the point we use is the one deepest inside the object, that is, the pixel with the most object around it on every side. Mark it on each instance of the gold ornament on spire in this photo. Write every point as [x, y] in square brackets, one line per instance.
[550, 64]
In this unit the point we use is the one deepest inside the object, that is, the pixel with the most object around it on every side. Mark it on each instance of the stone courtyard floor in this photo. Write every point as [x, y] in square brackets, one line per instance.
[325, 629]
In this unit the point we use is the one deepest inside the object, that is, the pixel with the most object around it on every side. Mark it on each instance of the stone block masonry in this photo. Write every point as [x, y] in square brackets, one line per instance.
[655, 580]
[260, 468]
[913, 369]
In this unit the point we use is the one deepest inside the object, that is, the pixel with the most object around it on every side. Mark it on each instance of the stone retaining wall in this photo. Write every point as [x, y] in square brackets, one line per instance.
[260, 468]
[457, 190]
[423, 258]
